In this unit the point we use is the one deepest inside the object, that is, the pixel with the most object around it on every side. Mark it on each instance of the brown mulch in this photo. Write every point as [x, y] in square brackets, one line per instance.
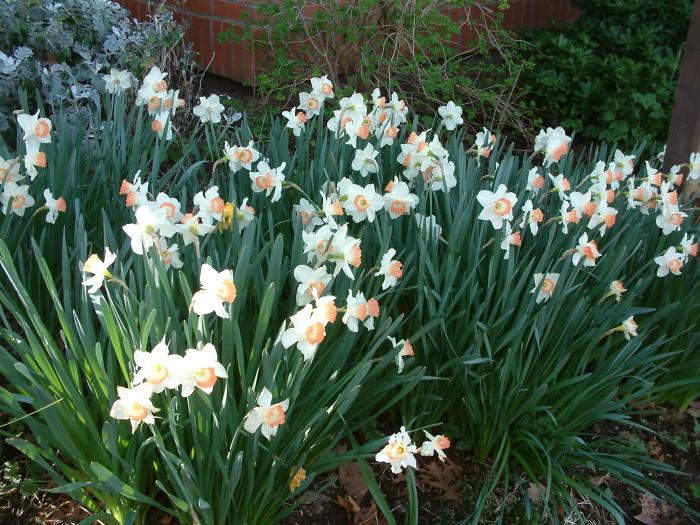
[447, 491]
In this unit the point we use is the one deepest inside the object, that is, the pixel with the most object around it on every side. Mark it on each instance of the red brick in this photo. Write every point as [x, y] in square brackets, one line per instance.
[200, 7]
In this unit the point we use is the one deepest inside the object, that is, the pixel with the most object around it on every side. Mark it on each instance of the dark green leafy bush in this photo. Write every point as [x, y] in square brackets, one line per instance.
[611, 74]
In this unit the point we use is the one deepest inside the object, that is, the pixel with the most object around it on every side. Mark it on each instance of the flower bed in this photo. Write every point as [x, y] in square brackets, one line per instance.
[208, 314]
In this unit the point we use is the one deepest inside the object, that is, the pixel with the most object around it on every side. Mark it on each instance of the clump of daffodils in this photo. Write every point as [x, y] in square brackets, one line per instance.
[332, 220]
[611, 187]
[157, 370]
[15, 197]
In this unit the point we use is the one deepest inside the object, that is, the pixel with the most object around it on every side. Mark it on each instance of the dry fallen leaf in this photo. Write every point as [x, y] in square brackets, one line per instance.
[348, 503]
[694, 409]
[536, 492]
[438, 479]
[655, 449]
[599, 480]
[366, 515]
[655, 512]
[352, 481]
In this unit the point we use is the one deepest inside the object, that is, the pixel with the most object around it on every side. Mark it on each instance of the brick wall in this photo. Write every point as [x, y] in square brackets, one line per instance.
[207, 18]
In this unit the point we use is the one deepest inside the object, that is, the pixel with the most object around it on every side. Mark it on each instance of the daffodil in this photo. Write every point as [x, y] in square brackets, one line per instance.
[159, 368]
[535, 181]
[296, 120]
[510, 238]
[15, 198]
[268, 179]
[390, 269]
[244, 215]
[586, 251]
[629, 328]
[9, 171]
[554, 143]
[191, 228]
[171, 207]
[241, 156]
[322, 86]
[406, 350]
[399, 452]
[34, 158]
[307, 331]
[617, 289]
[136, 192]
[162, 124]
[605, 216]
[317, 244]
[582, 204]
[99, 269]
[365, 161]
[360, 310]
[498, 205]
[363, 203]
[308, 214]
[670, 219]
[548, 285]
[561, 185]
[671, 261]
[37, 130]
[451, 115]
[345, 252]
[310, 103]
[54, 206]
[169, 253]
[435, 445]
[135, 405]
[267, 415]
[428, 226]
[531, 216]
[151, 222]
[689, 248]
[153, 89]
[312, 283]
[200, 369]
[399, 200]
[117, 81]
[217, 288]
[209, 204]
[622, 164]
[484, 144]
[209, 109]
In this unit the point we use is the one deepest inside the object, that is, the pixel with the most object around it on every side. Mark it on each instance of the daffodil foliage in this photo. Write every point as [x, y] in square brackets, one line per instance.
[194, 319]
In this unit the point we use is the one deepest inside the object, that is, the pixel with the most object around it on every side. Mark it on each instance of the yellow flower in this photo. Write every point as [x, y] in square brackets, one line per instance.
[227, 216]
[297, 478]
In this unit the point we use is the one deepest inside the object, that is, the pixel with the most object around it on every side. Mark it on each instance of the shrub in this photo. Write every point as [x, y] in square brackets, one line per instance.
[611, 74]
[62, 50]
[517, 358]
[394, 46]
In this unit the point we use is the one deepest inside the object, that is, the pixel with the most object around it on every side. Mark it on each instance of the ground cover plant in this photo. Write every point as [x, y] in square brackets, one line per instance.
[193, 322]
[62, 51]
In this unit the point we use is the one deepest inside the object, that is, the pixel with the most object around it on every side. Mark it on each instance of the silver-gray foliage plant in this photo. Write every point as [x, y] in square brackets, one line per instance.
[63, 48]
